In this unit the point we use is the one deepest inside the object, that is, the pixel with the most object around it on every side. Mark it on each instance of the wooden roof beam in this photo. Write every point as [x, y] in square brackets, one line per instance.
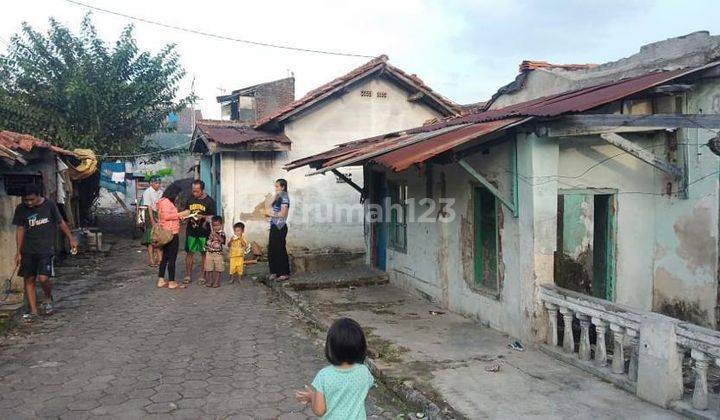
[588, 124]
[643, 154]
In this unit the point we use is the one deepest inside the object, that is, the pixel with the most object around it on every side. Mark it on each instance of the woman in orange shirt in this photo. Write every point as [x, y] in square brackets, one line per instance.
[169, 219]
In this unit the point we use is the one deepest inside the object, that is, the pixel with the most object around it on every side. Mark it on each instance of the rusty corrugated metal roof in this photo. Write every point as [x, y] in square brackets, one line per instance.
[231, 133]
[401, 157]
[405, 157]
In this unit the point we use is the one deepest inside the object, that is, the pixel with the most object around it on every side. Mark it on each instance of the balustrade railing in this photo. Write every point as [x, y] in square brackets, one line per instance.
[603, 334]
[602, 338]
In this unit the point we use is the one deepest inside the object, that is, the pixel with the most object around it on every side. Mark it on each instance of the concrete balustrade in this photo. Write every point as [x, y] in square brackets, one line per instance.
[647, 351]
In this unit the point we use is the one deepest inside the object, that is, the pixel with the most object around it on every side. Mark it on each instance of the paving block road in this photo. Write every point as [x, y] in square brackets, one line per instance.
[120, 348]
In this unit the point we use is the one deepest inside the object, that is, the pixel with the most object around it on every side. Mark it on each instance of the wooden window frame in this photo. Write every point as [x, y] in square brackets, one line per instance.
[492, 286]
[397, 229]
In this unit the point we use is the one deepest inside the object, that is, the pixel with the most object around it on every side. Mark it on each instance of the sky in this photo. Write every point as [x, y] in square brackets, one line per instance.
[464, 49]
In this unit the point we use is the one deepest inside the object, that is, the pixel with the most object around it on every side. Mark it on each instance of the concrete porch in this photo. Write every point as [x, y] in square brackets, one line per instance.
[464, 369]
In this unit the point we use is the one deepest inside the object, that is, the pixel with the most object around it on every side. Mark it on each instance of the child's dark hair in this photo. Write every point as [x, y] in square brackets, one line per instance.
[345, 343]
[240, 225]
[216, 219]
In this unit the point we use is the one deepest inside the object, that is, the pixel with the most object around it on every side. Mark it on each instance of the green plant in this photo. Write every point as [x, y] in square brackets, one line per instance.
[79, 92]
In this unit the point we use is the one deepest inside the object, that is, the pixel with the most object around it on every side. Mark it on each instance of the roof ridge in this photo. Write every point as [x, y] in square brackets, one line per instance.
[528, 65]
[377, 62]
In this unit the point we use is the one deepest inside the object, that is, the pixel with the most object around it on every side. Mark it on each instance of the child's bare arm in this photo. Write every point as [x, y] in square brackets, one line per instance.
[318, 403]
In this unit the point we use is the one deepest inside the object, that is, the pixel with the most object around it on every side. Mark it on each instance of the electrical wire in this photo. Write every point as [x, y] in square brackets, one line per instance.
[156, 152]
[216, 36]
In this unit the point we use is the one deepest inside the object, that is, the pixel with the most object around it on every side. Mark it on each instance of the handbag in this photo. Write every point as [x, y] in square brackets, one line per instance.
[160, 236]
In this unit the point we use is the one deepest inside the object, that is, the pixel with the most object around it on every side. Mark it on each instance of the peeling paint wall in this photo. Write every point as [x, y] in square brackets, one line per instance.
[685, 271]
[666, 248]
[317, 201]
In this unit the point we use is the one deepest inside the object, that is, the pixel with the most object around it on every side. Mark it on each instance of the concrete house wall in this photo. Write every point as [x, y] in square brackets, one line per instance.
[666, 248]
[247, 177]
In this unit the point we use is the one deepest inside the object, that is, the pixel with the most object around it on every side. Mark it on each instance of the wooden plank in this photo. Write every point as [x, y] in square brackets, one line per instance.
[475, 174]
[642, 154]
[573, 130]
[348, 181]
[655, 121]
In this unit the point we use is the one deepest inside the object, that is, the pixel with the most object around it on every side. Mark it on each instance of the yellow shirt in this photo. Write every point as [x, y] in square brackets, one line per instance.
[237, 248]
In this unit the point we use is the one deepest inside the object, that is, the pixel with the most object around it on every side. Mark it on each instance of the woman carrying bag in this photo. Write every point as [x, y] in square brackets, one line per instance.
[169, 224]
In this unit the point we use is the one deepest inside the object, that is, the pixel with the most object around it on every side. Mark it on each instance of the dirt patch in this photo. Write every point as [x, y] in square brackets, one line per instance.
[686, 311]
[697, 245]
[258, 212]
[572, 273]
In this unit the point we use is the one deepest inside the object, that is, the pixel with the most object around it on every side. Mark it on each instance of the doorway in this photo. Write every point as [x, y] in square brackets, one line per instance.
[586, 232]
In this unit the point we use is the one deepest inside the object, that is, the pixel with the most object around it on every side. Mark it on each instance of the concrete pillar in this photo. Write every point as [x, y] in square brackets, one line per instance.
[634, 342]
[600, 350]
[659, 367]
[618, 360]
[700, 392]
[552, 334]
[537, 201]
[568, 339]
[584, 350]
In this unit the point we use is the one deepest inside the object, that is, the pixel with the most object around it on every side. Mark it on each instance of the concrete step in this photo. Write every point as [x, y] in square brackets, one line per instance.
[312, 262]
[354, 276]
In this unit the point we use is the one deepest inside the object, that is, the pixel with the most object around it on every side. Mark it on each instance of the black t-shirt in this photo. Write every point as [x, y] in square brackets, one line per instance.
[40, 223]
[205, 207]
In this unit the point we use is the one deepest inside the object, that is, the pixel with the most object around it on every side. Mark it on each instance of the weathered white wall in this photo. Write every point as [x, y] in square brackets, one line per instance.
[685, 281]
[247, 179]
[666, 247]
[438, 262]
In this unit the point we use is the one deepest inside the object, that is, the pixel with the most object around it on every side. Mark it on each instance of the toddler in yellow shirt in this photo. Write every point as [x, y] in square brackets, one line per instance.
[238, 247]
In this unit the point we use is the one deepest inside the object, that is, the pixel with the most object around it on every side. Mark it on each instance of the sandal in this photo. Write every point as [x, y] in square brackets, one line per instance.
[283, 278]
[187, 280]
[29, 318]
[208, 284]
[162, 283]
[216, 284]
[201, 281]
[175, 285]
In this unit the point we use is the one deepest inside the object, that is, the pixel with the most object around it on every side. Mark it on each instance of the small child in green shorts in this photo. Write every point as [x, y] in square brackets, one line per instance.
[338, 391]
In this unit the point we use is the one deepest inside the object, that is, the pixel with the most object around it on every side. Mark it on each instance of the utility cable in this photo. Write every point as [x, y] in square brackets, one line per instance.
[216, 36]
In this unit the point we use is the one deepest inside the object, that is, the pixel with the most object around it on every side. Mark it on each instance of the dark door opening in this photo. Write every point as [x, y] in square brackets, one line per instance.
[585, 256]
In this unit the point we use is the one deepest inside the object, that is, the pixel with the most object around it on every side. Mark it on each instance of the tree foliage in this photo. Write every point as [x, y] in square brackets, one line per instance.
[77, 91]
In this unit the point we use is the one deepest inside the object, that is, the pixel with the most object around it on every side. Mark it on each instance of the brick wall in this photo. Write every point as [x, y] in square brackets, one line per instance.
[272, 96]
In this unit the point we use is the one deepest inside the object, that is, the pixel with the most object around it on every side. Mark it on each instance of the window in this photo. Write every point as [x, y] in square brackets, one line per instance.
[486, 239]
[382, 95]
[397, 226]
[366, 93]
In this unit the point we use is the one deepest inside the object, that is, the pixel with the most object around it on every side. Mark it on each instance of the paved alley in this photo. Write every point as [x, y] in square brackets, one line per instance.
[120, 348]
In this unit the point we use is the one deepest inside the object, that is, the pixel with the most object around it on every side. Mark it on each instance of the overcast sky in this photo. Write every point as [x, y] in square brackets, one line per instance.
[464, 49]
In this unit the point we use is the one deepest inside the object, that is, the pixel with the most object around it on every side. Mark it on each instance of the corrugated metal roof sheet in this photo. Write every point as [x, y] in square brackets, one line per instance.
[580, 100]
[405, 157]
[231, 133]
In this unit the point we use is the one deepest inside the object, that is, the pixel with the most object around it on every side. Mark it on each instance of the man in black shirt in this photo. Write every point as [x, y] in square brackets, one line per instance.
[37, 220]
[202, 209]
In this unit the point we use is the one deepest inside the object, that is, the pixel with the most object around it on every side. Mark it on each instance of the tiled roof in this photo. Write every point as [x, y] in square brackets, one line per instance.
[369, 67]
[233, 133]
[18, 143]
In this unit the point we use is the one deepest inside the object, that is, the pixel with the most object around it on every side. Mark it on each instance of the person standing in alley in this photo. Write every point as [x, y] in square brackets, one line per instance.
[169, 219]
[278, 261]
[202, 208]
[37, 220]
[150, 197]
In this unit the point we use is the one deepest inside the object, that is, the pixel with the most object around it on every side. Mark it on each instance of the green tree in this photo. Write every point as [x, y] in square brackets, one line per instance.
[77, 91]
